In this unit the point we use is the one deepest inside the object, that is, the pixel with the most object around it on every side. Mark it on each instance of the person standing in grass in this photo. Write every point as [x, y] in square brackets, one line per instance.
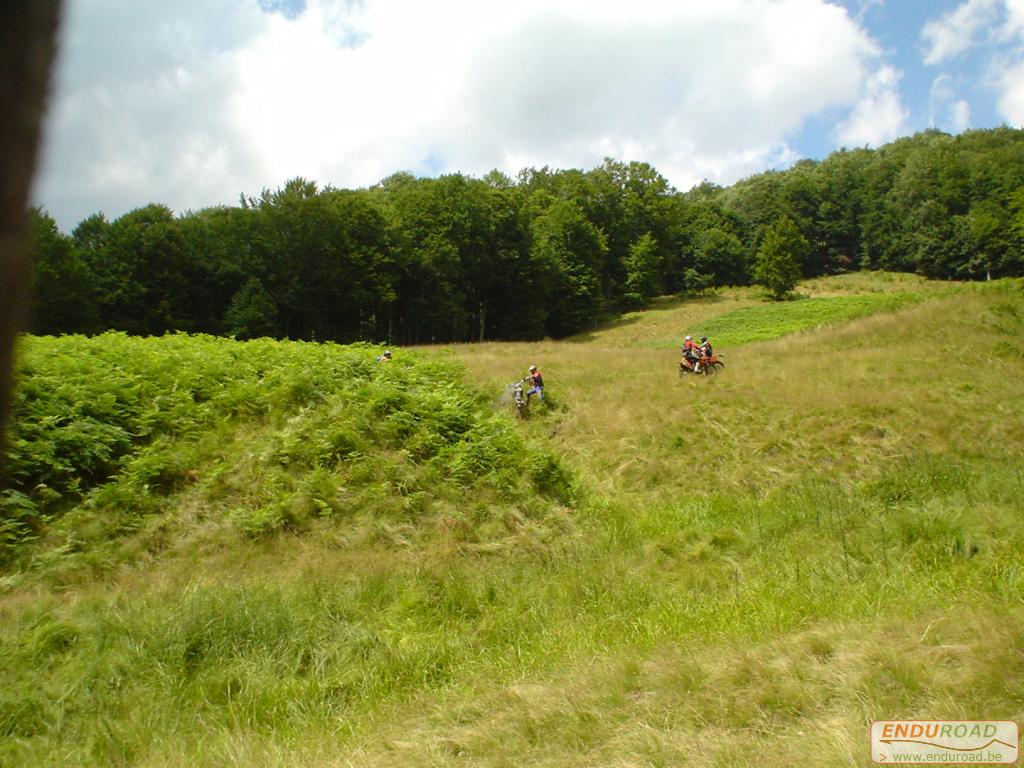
[536, 385]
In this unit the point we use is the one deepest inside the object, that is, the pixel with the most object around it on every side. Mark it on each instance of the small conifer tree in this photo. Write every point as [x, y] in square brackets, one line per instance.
[778, 259]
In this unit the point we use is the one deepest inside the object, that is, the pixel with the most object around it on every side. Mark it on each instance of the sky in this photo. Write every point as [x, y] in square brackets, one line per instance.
[192, 103]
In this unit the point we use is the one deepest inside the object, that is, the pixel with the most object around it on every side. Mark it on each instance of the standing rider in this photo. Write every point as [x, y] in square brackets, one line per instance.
[536, 385]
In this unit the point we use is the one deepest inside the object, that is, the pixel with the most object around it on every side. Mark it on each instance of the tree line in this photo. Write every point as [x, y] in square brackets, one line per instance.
[549, 253]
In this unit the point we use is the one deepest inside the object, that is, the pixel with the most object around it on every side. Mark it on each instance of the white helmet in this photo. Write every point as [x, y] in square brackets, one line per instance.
[689, 338]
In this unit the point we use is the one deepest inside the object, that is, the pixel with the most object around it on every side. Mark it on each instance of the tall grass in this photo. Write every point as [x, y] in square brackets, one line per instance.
[325, 652]
[846, 400]
[752, 568]
[112, 431]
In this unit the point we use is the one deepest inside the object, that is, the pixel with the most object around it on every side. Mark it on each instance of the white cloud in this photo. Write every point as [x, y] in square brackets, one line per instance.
[1014, 26]
[960, 116]
[1011, 97]
[865, 6]
[192, 102]
[945, 110]
[997, 28]
[1008, 69]
[955, 32]
[939, 96]
[879, 116]
[139, 111]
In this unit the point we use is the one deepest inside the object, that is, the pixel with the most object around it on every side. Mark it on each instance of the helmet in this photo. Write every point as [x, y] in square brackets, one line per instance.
[689, 338]
[387, 353]
[533, 368]
[703, 338]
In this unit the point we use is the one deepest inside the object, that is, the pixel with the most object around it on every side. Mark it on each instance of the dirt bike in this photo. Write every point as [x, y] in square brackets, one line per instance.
[520, 404]
[709, 366]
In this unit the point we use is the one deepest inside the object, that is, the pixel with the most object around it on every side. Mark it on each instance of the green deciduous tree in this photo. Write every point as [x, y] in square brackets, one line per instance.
[569, 250]
[62, 290]
[547, 252]
[643, 271]
[720, 257]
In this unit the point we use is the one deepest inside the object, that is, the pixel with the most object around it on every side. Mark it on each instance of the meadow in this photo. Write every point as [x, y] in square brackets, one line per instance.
[287, 554]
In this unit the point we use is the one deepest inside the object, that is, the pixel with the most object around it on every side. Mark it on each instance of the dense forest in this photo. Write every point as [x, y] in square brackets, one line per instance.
[457, 258]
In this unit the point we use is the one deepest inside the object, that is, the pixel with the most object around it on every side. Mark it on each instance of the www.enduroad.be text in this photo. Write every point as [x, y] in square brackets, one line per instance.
[985, 756]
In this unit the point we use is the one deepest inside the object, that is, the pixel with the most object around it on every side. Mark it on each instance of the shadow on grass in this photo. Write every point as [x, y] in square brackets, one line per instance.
[633, 316]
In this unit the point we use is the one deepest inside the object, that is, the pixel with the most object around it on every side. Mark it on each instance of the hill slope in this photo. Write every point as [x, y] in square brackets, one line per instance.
[751, 568]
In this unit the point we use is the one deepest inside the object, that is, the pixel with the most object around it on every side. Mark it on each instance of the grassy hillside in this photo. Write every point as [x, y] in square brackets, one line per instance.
[304, 557]
[113, 431]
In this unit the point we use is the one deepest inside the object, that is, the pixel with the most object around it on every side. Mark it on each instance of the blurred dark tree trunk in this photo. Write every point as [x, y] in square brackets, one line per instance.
[28, 41]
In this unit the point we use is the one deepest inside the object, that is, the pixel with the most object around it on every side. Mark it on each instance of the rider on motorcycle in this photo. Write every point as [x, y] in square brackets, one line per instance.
[704, 351]
[691, 353]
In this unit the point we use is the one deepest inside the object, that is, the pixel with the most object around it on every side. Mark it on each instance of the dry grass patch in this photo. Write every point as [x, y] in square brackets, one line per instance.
[843, 400]
[803, 699]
